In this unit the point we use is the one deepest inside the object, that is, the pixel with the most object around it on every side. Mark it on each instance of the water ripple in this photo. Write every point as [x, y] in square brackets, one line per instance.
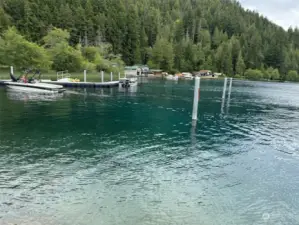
[113, 158]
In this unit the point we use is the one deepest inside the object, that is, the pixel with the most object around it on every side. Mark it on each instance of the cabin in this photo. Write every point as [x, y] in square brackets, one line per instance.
[136, 70]
[205, 73]
[132, 71]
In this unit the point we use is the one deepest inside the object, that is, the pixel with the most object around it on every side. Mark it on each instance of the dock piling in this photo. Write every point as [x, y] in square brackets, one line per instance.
[118, 75]
[11, 70]
[111, 76]
[196, 98]
[85, 76]
[102, 74]
[224, 88]
[230, 87]
[229, 94]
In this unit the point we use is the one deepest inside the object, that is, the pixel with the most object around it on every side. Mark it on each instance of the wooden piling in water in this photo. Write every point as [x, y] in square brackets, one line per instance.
[196, 98]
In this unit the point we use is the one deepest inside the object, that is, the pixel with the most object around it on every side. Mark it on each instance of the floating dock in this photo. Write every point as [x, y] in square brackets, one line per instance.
[78, 84]
[85, 84]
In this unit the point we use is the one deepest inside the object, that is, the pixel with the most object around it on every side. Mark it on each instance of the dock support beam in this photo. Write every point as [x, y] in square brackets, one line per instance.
[102, 75]
[196, 98]
[230, 87]
[118, 75]
[85, 76]
[111, 76]
[224, 88]
[11, 70]
[229, 94]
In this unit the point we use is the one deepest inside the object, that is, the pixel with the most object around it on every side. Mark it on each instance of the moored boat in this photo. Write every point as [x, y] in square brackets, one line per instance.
[128, 82]
[187, 76]
[172, 77]
[32, 85]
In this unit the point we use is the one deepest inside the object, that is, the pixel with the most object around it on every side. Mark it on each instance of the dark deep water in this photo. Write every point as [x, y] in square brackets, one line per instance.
[109, 157]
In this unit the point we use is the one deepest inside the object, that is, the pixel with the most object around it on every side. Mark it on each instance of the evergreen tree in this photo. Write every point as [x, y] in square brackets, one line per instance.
[216, 32]
[240, 66]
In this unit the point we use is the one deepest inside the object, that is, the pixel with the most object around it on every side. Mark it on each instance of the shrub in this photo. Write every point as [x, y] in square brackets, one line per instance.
[253, 74]
[292, 75]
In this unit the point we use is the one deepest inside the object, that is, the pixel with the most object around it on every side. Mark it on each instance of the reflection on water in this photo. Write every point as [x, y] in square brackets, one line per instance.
[132, 89]
[100, 157]
[32, 96]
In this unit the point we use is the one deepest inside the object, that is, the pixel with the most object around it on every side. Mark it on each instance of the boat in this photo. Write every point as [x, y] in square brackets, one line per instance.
[187, 76]
[32, 85]
[128, 82]
[172, 77]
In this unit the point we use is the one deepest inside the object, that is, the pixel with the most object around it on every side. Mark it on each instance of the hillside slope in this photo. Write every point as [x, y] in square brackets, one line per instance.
[184, 35]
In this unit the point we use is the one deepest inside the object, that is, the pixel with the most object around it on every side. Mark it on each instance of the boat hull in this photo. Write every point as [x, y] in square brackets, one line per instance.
[35, 87]
[128, 82]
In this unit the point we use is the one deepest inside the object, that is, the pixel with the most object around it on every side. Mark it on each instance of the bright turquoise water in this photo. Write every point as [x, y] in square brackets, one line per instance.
[109, 157]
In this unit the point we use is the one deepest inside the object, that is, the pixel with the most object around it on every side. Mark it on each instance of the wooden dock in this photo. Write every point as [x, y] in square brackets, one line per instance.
[85, 84]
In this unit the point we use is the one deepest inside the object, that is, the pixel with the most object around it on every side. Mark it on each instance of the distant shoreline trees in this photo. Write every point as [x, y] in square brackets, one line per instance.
[55, 53]
[173, 35]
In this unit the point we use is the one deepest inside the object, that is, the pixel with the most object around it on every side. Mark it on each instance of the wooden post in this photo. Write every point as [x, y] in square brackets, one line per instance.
[11, 70]
[196, 98]
[102, 74]
[85, 76]
[230, 87]
[224, 88]
[229, 94]
[111, 76]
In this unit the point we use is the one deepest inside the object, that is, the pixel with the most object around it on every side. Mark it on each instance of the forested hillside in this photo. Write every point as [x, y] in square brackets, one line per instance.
[174, 35]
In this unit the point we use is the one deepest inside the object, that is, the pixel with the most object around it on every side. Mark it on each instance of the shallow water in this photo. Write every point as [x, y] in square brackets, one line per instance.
[109, 157]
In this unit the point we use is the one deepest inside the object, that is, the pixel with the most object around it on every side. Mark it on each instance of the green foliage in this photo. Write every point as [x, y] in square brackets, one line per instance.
[56, 37]
[92, 54]
[272, 74]
[16, 51]
[162, 55]
[292, 76]
[240, 67]
[66, 58]
[238, 76]
[4, 19]
[175, 34]
[253, 74]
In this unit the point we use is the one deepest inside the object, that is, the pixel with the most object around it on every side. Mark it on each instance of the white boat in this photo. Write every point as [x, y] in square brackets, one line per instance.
[172, 77]
[187, 76]
[128, 82]
[34, 87]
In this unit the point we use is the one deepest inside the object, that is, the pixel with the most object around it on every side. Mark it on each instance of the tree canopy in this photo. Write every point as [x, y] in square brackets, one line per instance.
[172, 35]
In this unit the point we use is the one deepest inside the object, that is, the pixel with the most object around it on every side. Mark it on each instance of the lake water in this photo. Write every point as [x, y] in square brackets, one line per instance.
[105, 157]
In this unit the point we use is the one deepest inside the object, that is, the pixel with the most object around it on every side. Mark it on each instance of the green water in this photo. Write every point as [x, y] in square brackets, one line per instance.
[103, 157]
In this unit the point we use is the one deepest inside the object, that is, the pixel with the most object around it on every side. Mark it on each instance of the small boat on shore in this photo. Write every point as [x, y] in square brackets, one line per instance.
[32, 85]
